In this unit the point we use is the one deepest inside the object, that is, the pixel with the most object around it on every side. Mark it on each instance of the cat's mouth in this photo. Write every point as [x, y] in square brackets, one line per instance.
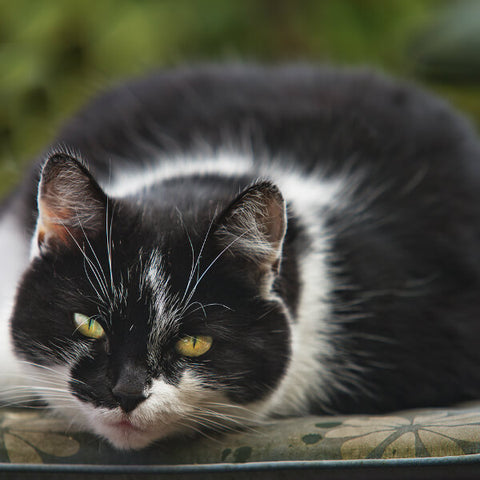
[126, 425]
[127, 433]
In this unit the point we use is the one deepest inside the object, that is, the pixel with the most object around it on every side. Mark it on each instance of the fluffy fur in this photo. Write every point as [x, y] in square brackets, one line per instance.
[321, 226]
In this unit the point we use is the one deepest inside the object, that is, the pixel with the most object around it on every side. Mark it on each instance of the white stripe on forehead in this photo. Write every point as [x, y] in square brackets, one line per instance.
[155, 282]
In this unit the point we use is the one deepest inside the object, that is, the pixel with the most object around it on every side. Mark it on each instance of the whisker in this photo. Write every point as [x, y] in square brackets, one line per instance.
[211, 265]
[34, 388]
[92, 266]
[198, 430]
[99, 296]
[25, 404]
[230, 417]
[89, 261]
[202, 307]
[100, 268]
[108, 235]
[234, 406]
[197, 263]
[56, 373]
[192, 250]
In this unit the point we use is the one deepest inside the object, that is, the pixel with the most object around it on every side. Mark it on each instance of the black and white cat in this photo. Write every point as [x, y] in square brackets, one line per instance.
[218, 245]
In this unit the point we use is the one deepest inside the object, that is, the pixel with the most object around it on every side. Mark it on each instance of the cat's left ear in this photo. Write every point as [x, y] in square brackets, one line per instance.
[254, 226]
[71, 205]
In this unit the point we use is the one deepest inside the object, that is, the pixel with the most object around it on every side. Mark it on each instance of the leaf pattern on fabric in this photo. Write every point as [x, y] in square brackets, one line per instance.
[27, 435]
[432, 434]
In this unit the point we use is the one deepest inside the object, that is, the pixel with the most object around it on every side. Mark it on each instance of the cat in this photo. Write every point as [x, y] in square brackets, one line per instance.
[209, 247]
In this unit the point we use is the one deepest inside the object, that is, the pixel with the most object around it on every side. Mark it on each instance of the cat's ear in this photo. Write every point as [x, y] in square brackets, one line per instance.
[71, 205]
[254, 225]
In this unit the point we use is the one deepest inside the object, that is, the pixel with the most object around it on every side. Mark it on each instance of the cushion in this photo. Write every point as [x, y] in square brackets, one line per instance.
[33, 436]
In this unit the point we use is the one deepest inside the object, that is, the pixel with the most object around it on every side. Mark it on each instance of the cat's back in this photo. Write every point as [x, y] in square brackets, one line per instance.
[318, 115]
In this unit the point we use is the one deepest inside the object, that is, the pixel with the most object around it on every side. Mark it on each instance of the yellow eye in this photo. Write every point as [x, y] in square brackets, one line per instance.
[194, 346]
[87, 326]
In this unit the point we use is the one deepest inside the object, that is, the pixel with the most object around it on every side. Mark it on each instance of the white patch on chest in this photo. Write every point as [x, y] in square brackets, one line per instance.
[311, 331]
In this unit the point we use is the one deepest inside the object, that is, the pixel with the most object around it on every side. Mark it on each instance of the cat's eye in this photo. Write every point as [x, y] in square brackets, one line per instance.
[194, 346]
[87, 326]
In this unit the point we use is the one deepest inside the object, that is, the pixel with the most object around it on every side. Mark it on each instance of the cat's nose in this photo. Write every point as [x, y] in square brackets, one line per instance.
[129, 388]
[128, 398]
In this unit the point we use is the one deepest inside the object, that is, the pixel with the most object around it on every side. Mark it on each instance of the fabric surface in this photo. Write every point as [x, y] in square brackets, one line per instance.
[33, 436]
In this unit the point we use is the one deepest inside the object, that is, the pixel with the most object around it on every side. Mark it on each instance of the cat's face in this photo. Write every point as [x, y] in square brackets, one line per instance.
[139, 323]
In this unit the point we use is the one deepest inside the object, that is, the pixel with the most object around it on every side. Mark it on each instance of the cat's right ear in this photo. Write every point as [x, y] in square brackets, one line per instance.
[71, 205]
[253, 228]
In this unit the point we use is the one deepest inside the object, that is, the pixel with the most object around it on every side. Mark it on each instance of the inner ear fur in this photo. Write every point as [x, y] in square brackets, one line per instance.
[71, 204]
[254, 225]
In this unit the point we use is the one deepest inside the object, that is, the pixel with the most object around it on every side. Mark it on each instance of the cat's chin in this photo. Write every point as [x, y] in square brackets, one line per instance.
[124, 435]
[127, 433]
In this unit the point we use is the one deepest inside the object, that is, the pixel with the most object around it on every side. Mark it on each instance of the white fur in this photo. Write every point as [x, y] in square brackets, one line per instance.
[311, 331]
[34, 246]
[164, 316]
[168, 410]
[13, 261]
[52, 385]
[155, 280]
[129, 182]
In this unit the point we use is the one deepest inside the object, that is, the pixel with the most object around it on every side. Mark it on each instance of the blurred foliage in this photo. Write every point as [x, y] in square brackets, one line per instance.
[449, 49]
[55, 54]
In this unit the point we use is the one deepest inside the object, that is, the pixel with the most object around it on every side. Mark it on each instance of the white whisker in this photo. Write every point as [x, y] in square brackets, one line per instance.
[103, 279]
[236, 239]
[197, 263]
[108, 235]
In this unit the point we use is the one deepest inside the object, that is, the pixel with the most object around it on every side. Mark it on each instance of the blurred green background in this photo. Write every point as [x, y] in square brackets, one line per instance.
[55, 54]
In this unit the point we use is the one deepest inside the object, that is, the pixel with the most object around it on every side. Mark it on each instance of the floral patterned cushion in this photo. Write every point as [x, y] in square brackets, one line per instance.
[32, 436]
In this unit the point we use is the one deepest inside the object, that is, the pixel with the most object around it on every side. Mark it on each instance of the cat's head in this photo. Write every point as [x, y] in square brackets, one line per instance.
[139, 319]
